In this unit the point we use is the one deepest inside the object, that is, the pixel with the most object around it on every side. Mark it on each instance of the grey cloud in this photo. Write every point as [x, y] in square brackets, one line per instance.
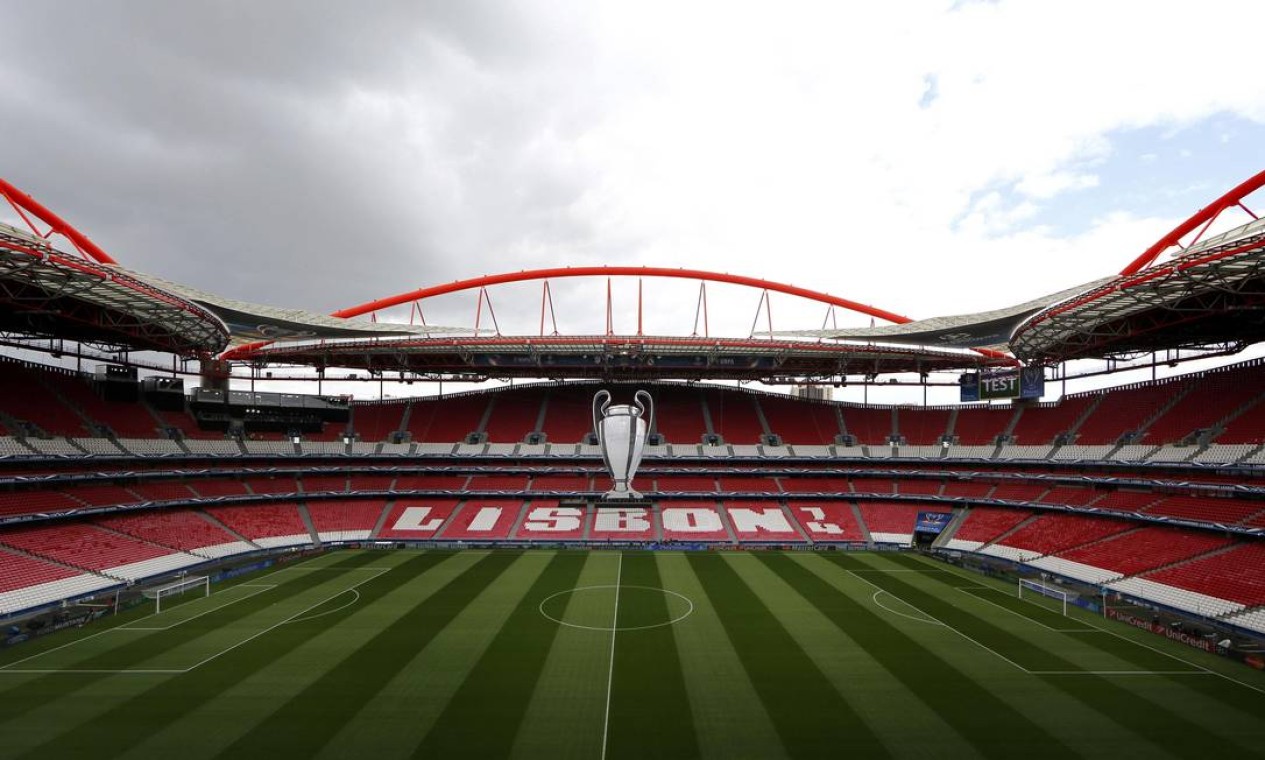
[301, 154]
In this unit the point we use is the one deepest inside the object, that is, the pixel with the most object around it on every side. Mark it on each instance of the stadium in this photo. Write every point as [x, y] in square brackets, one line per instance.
[632, 380]
[231, 571]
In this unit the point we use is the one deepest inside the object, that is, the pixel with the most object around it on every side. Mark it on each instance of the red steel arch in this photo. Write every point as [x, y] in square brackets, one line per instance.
[528, 275]
[1204, 216]
[24, 204]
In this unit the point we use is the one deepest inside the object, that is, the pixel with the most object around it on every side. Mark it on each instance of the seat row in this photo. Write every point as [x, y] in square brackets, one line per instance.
[1226, 403]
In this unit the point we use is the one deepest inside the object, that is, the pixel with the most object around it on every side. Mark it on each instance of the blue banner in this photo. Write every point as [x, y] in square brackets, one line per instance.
[970, 387]
[1031, 382]
[932, 522]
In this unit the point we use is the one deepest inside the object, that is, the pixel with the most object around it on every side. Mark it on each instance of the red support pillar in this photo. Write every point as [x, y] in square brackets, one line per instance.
[639, 331]
[610, 319]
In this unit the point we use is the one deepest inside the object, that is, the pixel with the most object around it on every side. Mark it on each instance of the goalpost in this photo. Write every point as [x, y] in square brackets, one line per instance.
[158, 593]
[1042, 589]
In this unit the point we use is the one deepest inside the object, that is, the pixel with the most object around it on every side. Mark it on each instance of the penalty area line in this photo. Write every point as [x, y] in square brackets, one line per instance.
[875, 599]
[178, 671]
[291, 618]
[1017, 613]
[981, 645]
[1200, 668]
[355, 598]
[1122, 673]
[137, 671]
[261, 586]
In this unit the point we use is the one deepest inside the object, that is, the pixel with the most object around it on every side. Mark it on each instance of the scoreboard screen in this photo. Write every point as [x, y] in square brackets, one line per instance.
[1028, 382]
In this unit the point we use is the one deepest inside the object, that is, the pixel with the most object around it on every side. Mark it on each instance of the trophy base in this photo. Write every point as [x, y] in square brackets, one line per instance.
[604, 503]
[617, 495]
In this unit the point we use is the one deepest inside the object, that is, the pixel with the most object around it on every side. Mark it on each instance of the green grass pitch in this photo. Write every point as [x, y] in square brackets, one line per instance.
[441, 654]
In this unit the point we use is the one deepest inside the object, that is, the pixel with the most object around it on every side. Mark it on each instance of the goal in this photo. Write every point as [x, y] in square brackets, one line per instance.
[177, 588]
[1036, 588]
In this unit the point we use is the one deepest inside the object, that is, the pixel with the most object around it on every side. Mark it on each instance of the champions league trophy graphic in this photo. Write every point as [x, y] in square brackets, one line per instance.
[621, 432]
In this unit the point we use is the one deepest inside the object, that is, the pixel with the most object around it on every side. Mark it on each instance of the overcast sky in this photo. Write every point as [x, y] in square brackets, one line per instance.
[925, 157]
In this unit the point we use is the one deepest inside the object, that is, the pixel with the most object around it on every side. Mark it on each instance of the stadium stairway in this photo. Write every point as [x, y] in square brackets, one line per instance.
[1003, 550]
[1073, 432]
[1252, 618]
[306, 517]
[1214, 403]
[405, 417]
[759, 413]
[382, 519]
[1009, 431]
[709, 428]
[865, 530]
[27, 582]
[1257, 519]
[224, 527]
[1141, 432]
[1100, 540]
[1056, 563]
[1186, 560]
[138, 539]
[951, 426]
[1224, 423]
[1053, 532]
[50, 389]
[1247, 427]
[959, 516]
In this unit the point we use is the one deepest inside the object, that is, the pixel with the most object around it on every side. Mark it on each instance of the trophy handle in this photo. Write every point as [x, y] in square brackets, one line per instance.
[648, 404]
[600, 402]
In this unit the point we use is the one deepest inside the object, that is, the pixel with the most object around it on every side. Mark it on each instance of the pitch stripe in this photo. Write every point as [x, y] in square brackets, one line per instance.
[972, 710]
[338, 694]
[425, 680]
[132, 721]
[784, 676]
[497, 692]
[649, 685]
[1148, 719]
[566, 712]
[1248, 699]
[21, 695]
[727, 715]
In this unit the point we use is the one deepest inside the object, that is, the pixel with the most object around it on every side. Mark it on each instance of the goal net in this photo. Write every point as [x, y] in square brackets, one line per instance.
[197, 585]
[1035, 589]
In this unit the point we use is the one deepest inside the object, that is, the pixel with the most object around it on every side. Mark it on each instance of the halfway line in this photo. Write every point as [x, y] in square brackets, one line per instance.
[610, 674]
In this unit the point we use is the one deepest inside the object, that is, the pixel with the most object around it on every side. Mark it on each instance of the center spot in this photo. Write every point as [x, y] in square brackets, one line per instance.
[593, 607]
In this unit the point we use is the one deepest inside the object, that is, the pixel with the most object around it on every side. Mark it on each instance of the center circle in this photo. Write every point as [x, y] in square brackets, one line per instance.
[593, 608]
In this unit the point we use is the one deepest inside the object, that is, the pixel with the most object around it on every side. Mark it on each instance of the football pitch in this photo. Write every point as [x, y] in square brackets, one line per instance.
[606, 654]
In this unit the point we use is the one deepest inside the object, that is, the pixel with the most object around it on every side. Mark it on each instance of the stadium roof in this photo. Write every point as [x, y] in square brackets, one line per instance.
[986, 329]
[1213, 293]
[248, 322]
[45, 292]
